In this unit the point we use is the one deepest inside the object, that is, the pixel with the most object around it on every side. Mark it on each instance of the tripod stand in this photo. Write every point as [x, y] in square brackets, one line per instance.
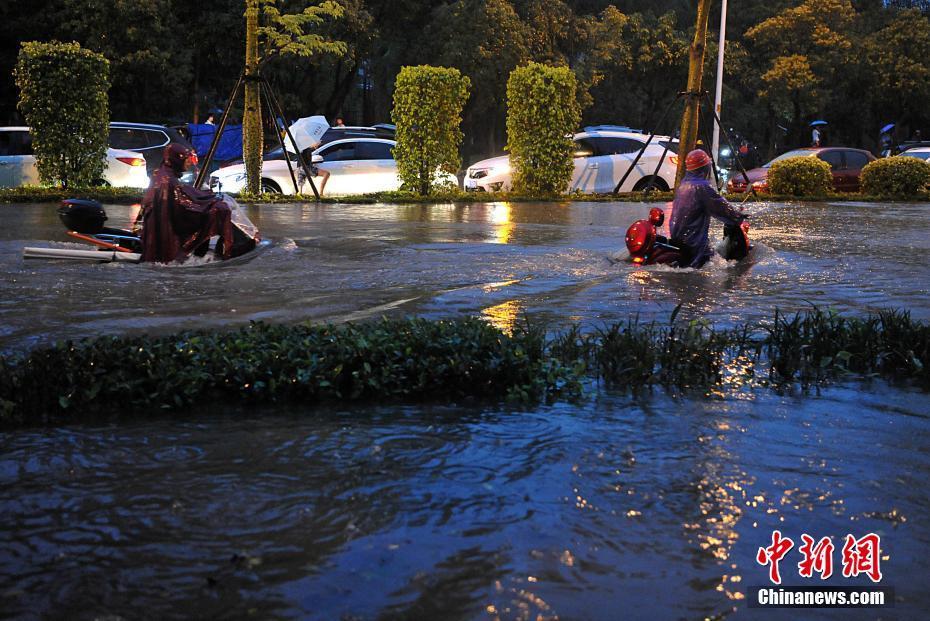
[655, 175]
[275, 111]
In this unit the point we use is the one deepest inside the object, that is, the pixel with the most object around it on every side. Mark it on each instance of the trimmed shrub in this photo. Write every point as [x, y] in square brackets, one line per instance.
[63, 96]
[800, 176]
[899, 177]
[542, 114]
[428, 103]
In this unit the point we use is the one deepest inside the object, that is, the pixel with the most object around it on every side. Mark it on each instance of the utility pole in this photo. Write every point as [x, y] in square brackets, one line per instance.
[689, 121]
[718, 98]
[252, 134]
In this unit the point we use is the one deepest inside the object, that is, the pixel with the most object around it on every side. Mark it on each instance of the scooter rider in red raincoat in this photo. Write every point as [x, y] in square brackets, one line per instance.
[177, 219]
[696, 200]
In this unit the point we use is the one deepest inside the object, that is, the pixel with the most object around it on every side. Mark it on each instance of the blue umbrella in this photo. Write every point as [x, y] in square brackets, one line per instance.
[814, 123]
[887, 128]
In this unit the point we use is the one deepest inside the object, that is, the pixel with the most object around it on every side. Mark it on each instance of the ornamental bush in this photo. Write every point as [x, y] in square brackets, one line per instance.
[542, 114]
[63, 96]
[898, 177]
[800, 176]
[428, 104]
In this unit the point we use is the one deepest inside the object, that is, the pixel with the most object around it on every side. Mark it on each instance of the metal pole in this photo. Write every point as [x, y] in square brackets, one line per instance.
[265, 88]
[718, 99]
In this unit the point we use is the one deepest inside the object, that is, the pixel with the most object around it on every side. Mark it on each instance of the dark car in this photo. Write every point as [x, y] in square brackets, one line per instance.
[150, 141]
[846, 165]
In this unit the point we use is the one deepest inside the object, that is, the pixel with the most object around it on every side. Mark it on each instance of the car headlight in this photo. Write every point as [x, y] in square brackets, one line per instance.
[478, 174]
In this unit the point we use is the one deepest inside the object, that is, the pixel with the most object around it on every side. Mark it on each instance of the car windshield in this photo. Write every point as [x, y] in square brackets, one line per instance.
[795, 153]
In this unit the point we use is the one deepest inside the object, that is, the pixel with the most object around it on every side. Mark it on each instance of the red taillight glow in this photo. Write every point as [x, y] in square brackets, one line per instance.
[194, 159]
[673, 159]
[132, 161]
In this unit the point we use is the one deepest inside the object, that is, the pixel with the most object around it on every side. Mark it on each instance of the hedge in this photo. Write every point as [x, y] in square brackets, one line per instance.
[63, 97]
[542, 115]
[896, 177]
[417, 360]
[428, 103]
[800, 176]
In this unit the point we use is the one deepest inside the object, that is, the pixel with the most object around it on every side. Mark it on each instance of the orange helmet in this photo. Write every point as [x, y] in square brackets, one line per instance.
[697, 159]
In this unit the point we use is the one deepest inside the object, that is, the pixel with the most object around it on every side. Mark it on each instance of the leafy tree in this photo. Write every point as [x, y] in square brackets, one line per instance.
[899, 61]
[542, 113]
[69, 141]
[282, 34]
[485, 40]
[428, 104]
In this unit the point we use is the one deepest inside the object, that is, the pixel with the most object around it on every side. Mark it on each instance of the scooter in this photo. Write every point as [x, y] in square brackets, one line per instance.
[647, 247]
[84, 220]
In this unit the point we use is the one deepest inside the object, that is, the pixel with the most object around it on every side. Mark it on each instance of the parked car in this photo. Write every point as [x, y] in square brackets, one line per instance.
[602, 156]
[922, 153]
[330, 135]
[846, 165]
[356, 166]
[18, 164]
[149, 140]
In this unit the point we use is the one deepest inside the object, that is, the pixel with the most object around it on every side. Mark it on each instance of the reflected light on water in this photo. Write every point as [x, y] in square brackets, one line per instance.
[500, 216]
[503, 316]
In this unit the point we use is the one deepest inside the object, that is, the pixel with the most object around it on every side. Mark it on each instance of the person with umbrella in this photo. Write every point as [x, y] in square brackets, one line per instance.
[816, 135]
[308, 133]
[886, 140]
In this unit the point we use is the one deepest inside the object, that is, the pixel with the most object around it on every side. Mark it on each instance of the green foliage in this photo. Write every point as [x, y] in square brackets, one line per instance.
[897, 177]
[542, 115]
[69, 136]
[428, 103]
[417, 360]
[412, 360]
[813, 345]
[800, 176]
[42, 194]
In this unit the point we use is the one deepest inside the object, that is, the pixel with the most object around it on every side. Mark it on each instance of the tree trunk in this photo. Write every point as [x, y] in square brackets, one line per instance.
[252, 136]
[690, 119]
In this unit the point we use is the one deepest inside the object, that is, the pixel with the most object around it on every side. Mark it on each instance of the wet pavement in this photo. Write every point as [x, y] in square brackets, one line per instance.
[613, 508]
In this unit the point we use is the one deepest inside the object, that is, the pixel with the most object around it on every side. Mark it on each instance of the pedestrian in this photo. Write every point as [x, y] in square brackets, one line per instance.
[815, 137]
[315, 170]
[339, 122]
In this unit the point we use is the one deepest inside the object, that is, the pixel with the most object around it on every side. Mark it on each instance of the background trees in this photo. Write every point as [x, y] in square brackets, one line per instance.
[858, 64]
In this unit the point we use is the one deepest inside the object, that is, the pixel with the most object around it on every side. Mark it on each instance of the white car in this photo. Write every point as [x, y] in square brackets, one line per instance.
[922, 153]
[356, 166]
[602, 155]
[18, 164]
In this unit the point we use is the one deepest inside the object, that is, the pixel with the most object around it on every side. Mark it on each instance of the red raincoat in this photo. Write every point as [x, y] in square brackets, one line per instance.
[178, 219]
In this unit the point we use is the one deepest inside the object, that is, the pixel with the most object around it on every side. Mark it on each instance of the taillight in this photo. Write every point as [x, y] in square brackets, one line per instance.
[132, 161]
[673, 159]
[194, 160]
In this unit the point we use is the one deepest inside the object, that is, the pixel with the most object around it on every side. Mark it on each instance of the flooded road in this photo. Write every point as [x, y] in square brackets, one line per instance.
[550, 261]
[613, 508]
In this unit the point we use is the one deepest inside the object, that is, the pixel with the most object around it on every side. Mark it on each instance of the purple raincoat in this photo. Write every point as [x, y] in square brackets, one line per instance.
[696, 200]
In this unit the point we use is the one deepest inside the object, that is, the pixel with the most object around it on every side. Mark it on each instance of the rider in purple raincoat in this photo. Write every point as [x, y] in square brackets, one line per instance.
[696, 200]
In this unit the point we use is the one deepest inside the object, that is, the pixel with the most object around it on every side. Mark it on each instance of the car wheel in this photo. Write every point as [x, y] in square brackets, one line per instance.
[658, 184]
[270, 187]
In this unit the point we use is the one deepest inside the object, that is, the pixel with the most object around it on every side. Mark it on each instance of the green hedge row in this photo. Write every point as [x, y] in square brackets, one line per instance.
[415, 360]
[63, 97]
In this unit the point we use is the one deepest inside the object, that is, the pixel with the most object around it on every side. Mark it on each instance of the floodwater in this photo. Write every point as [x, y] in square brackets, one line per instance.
[613, 508]
[501, 261]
